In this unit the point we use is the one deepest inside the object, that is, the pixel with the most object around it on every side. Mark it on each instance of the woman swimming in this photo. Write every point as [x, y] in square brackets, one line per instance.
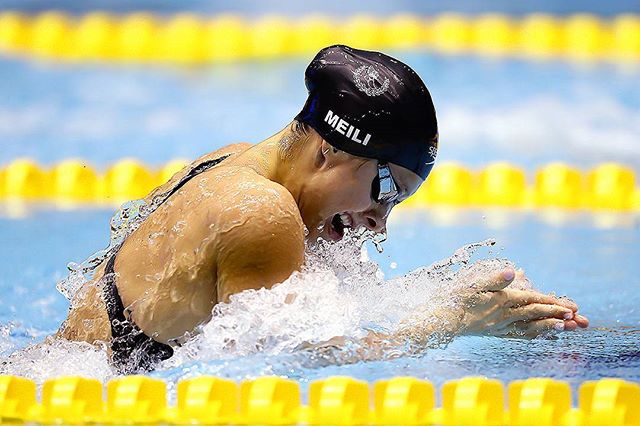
[238, 218]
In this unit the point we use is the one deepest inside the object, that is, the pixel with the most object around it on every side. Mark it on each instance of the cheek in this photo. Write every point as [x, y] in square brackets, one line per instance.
[359, 199]
[343, 199]
[355, 194]
[347, 189]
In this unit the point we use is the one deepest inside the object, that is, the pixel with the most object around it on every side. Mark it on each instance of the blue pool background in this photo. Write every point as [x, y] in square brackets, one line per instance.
[528, 113]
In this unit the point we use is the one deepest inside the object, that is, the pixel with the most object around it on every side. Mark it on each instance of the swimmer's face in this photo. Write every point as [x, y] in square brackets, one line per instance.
[339, 194]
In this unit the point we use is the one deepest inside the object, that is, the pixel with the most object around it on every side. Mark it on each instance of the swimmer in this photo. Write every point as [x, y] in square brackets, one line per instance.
[238, 218]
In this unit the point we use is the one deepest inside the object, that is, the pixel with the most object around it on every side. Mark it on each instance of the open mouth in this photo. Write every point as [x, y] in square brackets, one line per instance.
[339, 223]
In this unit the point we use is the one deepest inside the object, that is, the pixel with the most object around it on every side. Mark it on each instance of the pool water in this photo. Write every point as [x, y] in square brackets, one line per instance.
[590, 257]
[528, 113]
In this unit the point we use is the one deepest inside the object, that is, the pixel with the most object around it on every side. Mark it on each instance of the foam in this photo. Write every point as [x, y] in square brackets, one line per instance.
[58, 357]
[339, 293]
[6, 343]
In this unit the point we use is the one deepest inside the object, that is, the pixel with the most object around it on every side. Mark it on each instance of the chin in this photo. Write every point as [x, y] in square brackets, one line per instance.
[331, 236]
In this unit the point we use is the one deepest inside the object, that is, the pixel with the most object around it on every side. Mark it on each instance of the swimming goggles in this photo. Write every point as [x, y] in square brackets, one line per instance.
[383, 188]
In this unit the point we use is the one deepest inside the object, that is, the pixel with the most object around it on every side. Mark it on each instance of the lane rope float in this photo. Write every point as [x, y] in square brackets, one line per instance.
[196, 39]
[334, 400]
[608, 186]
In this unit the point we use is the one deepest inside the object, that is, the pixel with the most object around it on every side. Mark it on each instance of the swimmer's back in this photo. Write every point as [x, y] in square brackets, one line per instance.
[206, 242]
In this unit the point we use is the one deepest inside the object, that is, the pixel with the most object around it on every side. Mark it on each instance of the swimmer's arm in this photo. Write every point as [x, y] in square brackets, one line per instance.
[265, 248]
[491, 309]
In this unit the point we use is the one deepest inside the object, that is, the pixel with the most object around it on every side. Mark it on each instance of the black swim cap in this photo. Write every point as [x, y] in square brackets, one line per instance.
[371, 105]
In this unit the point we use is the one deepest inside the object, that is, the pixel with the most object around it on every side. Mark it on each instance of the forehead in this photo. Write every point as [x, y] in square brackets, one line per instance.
[405, 179]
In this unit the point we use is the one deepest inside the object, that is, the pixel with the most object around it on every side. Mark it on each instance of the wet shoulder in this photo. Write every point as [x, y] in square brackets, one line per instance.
[240, 195]
[228, 194]
[258, 219]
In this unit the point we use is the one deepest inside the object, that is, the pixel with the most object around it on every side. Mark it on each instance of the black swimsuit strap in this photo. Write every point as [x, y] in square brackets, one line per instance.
[115, 307]
[200, 168]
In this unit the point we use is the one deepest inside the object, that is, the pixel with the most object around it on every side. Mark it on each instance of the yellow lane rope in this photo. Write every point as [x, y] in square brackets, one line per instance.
[608, 186]
[335, 400]
[192, 39]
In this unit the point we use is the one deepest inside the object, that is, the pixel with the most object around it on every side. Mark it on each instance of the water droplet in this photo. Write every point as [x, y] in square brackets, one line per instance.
[377, 241]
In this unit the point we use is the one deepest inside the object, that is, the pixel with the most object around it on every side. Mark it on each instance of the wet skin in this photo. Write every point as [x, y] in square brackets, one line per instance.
[242, 225]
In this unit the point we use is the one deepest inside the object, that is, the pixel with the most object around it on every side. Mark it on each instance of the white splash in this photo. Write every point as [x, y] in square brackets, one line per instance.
[58, 357]
[339, 293]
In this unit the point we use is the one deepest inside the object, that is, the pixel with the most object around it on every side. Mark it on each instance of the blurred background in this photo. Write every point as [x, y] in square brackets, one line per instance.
[526, 82]
[521, 83]
[292, 8]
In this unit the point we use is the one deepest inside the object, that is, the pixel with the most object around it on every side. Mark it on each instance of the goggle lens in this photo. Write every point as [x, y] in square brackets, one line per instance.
[383, 188]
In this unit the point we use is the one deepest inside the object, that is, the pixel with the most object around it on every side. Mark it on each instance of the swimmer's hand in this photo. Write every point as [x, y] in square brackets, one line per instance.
[490, 308]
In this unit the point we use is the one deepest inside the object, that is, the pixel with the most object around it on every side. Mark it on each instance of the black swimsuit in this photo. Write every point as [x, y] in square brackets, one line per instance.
[132, 350]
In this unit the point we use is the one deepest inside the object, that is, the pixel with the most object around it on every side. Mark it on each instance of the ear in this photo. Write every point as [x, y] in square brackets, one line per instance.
[326, 152]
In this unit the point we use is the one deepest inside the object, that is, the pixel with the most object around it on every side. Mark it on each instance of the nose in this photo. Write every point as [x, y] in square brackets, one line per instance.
[376, 218]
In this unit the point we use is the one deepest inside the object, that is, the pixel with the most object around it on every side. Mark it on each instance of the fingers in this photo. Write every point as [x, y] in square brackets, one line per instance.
[525, 297]
[531, 329]
[582, 322]
[497, 281]
[536, 311]
[565, 301]
[570, 325]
